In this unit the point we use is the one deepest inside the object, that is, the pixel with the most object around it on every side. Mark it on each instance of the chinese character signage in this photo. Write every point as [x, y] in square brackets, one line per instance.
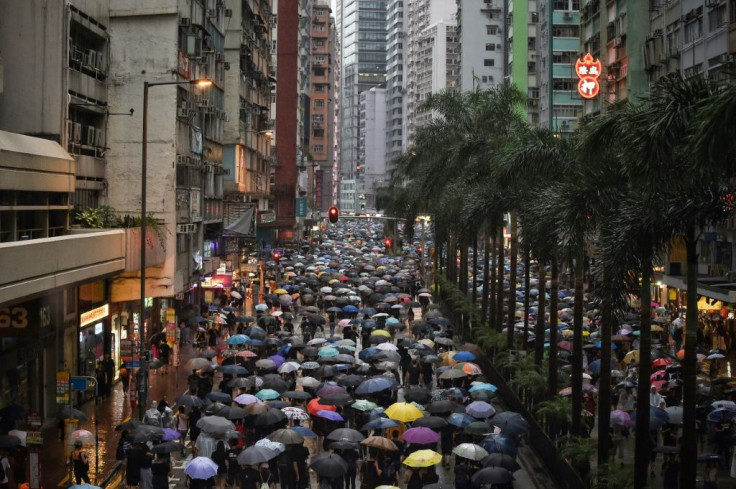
[62, 387]
[301, 207]
[588, 71]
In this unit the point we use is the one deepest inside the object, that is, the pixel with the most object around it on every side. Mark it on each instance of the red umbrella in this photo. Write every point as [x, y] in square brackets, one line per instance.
[658, 375]
[661, 362]
[314, 406]
[565, 345]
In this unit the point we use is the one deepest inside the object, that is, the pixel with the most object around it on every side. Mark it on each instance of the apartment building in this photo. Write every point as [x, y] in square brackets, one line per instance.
[372, 142]
[247, 131]
[482, 36]
[396, 77]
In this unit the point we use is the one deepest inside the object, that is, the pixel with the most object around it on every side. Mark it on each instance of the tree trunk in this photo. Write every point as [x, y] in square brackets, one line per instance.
[539, 327]
[689, 451]
[527, 286]
[577, 348]
[492, 294]
[486, 278]
[513, 250]
[451, 265]
[462, 279]
[642, 445]
[553, 299]
[608, 321]
[499, 278]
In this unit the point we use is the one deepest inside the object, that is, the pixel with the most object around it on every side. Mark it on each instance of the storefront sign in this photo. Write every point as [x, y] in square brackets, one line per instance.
[31, 318]
[588, 71]
[34, 420]
[126, 350]
[62, 387]
[94, 315]
[301, 207]
[34, 438]
[171, 333]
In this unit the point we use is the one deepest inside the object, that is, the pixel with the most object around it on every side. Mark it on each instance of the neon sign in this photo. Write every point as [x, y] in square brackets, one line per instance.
[588, 70]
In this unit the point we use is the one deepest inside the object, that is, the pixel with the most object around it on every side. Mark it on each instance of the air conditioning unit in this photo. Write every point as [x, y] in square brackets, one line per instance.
[182, 112]
[219, 57]
[724, 58]
[100, 61]
[77, 132]
[91, 133]
[185, 21]
[91, 59]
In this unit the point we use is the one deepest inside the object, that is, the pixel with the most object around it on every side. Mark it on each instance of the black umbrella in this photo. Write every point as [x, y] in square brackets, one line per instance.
[343, 445]
[336, 399]
[432, 422]
[350, 380]
[329, 465]
[145, 433]
[168, 447]
[443, 406]
[418, 394]
[275, 383]
[478, 428]
[190, 400]
[71, 413]
[270, 417]
[492, 475]
[346, 434]
[256, 455]
[128, 425]
[501, 460]
[287, 437]
[301, 395]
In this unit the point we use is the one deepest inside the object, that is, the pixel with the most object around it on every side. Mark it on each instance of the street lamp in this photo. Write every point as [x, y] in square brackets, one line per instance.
[202, 83]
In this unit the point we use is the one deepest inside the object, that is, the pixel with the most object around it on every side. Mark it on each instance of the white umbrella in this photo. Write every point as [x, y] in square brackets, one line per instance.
[235, 294]
[387, 347]
[470, 451]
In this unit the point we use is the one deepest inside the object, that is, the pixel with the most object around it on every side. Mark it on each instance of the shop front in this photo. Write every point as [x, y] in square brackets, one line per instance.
[92, 335]
[215, 287]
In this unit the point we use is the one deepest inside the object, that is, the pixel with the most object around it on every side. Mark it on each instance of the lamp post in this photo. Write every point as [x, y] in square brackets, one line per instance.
[143, 380]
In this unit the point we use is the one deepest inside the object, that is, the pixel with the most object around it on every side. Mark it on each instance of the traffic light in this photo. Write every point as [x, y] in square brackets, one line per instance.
[420, 250]
[333, 214]
[387, 244]
[276, 257]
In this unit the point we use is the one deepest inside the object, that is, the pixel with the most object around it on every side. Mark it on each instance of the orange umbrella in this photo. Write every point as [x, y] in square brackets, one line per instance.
[681, 354]
[314, 406]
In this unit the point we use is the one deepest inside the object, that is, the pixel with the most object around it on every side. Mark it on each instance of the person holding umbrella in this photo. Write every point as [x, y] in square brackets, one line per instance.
[80, 464]
[160, 470]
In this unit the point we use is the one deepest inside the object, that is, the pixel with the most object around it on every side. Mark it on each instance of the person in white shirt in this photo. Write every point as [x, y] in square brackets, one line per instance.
[654, 397]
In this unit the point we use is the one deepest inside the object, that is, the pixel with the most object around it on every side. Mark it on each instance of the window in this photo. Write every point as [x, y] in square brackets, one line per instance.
[318, 148]
[489, 62]
[318, 118]
[566, 31]
[716, 17]
[318, 133]
[491, 30]
[319, 103]
[693, 30]
[490, 47]
[534, 16]
[318, 42]
[319, 88]
[484, 79]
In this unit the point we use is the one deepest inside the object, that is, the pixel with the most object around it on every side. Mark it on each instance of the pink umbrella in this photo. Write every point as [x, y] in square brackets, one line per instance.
[620, 418]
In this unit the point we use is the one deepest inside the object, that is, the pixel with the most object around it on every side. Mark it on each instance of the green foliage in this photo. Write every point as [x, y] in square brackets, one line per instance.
[96, 217]
[577, 451]
[611, 476]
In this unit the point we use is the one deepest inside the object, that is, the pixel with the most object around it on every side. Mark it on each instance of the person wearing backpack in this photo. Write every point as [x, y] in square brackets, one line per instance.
[4, 471]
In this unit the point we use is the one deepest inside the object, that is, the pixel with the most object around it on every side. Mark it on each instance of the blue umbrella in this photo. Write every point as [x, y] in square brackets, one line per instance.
[721, 414]
[214, 309]
[237, 339]
[233, 370]
[480, 409]
[483, 387]
[219, 397]
[461, 420]
[201, 468]
[367, 353]
[463, 356]
[265, 394]
[595, 366]
[350, 308]
[392, 321]
[228, 309]
[379, 424]
[374, 384]
[284, 350]
[328, 352]
[305, 432]
[261, 307]
[500, 444]
[598, 344]
[368, 310]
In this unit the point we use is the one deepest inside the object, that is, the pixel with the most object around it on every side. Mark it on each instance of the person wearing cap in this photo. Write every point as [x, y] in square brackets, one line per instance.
[80, 463]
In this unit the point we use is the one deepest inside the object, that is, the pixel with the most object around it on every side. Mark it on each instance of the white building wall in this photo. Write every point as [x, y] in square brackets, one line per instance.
[474, 35]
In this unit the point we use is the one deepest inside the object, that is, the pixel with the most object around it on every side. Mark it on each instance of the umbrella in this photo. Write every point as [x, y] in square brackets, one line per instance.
[256, 408]
[171, 434]
[478, 428]
[71, 413]
[128, 425]
[10, 441]
[199, 364]
[82, 436]
[330, 415]
[667, 449]
[287, 437]
[189, 400]
[146, 433]
[246, 399]
[336, 399]
[463, 356]
[404, 412]
[418, 394]
[201, 468]
[500, 444]
[214, 424]
[380, 443]
[265, 394]
[346, 434]
[461, 420]
[300, 395]
[256, 455]
[270, 417]
[219, 397]
[501, 460]
[433, 422]
[724, 405]
[420, 436]
[675, 413]
[442, 406]
[363, 405]
[471, 451]
[305, 432]
[329, 465]
[483, 387]
[379, 424]
[330, 389]
[492, 475]
[168, 447]
[480, 409]
[374, 384]
[295, 413]
[452, 374]
[620, 418]
[314, 406]
[510, 423]
[423, 458]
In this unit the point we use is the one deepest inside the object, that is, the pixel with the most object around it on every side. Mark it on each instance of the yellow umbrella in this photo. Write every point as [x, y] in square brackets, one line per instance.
[405, 412]
[446, 357]
[586, 334]
[381, 332]
[631, 357]
[656, 328]
[423, 458]
[567, 333]
[280, 292]
[427, 342]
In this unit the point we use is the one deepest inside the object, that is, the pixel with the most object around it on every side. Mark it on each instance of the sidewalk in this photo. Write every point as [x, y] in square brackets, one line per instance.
[110, 412]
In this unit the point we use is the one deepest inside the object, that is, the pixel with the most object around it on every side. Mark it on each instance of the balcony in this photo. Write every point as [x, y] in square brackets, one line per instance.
[39, 265]
[87, 87]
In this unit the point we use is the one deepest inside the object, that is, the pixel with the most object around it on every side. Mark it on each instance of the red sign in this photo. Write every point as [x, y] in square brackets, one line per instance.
[34, 420]
[588, 71]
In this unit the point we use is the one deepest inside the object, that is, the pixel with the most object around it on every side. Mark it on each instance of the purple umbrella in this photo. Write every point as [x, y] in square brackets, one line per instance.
[420, 436]
[330, 390]
[170, 435]
[277, 359]
[480, 409]
[331, 415]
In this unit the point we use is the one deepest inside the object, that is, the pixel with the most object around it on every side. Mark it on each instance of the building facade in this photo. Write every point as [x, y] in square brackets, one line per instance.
[372, 155]
[396, 59]
[482, 38]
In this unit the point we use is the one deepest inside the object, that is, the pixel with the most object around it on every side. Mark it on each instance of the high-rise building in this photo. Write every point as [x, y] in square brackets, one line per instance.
[396, 44]
[247, 129]
[321, 123]
[482, 38]
[362, 29]
[372, 143]
[434, 56]
[556, 99]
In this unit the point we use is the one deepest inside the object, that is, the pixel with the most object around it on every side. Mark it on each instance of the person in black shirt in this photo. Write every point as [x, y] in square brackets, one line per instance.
[220, 457]
[249, 478]
[413, 374]
[288, 470]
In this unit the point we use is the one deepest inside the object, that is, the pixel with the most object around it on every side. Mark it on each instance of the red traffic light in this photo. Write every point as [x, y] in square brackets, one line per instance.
[333, 214]
[387, 242]
[276, 256]
[420, 249]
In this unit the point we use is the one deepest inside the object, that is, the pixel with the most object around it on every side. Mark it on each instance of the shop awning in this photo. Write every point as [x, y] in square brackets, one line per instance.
[243, 225]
